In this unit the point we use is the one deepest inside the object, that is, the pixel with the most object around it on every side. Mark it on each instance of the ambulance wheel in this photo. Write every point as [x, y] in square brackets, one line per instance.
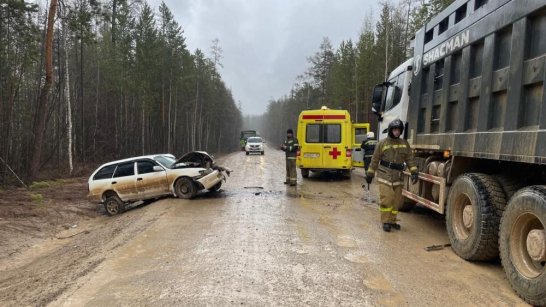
[523, 244]
[247, 153]
[304, 173]
[346, 173]
[473, 217]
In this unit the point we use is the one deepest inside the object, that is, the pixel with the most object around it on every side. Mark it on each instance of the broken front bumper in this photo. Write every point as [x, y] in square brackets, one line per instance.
[212, 179]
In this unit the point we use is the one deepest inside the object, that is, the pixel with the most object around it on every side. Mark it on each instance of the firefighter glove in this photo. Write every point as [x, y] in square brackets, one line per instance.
[414, 178]
[369, 179]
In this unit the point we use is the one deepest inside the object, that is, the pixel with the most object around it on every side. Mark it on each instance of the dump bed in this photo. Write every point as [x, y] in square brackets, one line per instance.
[478, 81]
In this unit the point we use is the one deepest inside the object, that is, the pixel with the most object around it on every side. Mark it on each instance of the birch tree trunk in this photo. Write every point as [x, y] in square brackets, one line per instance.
[67, 99]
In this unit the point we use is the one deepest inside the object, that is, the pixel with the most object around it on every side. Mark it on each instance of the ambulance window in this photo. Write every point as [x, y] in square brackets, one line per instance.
[394, 92]
[312, 133]
[332, 133]
[360, 135]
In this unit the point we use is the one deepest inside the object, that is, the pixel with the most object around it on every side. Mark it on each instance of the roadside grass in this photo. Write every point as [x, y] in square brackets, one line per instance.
[37, 198]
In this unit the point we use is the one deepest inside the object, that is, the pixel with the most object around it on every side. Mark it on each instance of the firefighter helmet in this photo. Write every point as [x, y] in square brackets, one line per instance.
[396, 124]
[370, 135]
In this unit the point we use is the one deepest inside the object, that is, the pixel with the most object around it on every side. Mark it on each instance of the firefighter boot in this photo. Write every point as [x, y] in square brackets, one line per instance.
[387, 227]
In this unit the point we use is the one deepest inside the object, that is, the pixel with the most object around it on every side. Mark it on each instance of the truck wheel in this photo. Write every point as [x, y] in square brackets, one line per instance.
[114, 205]
[509, 185]
[407, 205]
[473, 217]
[185, 188]
[304, 172]
[247, 153]
[216, 187]
[523, 244]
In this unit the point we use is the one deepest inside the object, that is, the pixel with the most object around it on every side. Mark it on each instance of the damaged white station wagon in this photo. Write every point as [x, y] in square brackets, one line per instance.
[118, 183]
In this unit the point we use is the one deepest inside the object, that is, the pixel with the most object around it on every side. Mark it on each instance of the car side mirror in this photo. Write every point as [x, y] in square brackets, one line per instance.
[158, 168]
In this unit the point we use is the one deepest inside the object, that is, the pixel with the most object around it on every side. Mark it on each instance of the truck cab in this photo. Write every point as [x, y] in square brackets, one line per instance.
[391, 98]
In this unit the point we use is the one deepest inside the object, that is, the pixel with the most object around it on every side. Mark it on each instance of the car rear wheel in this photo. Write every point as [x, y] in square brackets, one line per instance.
[185, 188]
[114, 205]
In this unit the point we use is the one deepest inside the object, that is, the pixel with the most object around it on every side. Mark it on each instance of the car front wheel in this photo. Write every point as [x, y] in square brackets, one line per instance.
[185, 188]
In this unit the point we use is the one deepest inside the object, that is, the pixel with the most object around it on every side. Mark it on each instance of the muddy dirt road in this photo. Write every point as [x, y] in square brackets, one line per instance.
[258, 242]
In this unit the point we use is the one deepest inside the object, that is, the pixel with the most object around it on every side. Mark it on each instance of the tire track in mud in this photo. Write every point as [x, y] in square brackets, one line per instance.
[46, 278]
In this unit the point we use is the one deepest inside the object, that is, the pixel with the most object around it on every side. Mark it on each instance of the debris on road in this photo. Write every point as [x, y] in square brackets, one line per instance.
[436, 247]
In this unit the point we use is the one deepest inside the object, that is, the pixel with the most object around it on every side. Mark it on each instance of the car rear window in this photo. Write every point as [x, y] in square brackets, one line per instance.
[105, 173]
[125, 169]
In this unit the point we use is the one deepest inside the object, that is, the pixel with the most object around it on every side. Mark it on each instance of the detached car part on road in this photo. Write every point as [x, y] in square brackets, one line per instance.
[118, 183]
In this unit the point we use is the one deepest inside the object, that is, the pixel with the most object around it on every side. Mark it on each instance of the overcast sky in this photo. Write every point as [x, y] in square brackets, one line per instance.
[266, 42]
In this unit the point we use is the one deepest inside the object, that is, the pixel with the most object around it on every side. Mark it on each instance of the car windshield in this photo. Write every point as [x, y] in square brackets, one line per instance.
[254, 140]
[166, 161]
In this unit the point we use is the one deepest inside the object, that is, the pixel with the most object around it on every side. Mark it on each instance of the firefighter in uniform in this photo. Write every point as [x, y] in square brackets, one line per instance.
[388, 163]
[368, 146]
[290, 147]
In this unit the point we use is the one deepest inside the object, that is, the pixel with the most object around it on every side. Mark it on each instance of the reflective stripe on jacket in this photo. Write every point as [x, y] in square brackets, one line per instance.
[394, 151]
[292, 146]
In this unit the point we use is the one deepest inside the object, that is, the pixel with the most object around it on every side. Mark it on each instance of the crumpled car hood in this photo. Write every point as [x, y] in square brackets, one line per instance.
[199, 159]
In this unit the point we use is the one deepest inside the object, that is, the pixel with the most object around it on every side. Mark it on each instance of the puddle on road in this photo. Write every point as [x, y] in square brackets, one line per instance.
[378, 282]
[356, 258]
[345, 241]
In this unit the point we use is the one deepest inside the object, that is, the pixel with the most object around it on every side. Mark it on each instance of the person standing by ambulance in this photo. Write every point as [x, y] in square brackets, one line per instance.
[368, 146]
[290, 147]
[388, 159]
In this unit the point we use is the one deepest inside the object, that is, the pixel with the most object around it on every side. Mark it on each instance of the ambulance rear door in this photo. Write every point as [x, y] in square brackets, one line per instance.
[311, 144]
[358, 135]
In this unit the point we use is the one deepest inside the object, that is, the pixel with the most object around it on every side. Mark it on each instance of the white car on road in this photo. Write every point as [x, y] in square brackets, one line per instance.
[118, 183]
[254, 144]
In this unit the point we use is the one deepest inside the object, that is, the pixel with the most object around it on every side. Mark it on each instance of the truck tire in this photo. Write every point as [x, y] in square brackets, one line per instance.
[473, 217]
[407, 205]
[524, 220]
[247, 153]
[114, 205]
[185, 188]
[509, 185]
[304, 172]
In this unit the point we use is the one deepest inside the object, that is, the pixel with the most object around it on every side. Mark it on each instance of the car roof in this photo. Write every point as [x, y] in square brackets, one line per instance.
[137, 158]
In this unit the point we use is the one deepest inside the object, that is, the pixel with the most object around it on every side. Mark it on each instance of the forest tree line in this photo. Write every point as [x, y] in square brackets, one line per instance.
[344, 78]
[120, 82]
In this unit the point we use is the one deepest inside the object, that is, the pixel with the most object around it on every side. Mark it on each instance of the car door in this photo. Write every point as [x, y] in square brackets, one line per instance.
[149, 182]
[124, 181]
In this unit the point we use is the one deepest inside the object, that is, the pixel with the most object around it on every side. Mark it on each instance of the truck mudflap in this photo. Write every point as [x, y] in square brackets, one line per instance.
[211, 179]
[440, 181]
